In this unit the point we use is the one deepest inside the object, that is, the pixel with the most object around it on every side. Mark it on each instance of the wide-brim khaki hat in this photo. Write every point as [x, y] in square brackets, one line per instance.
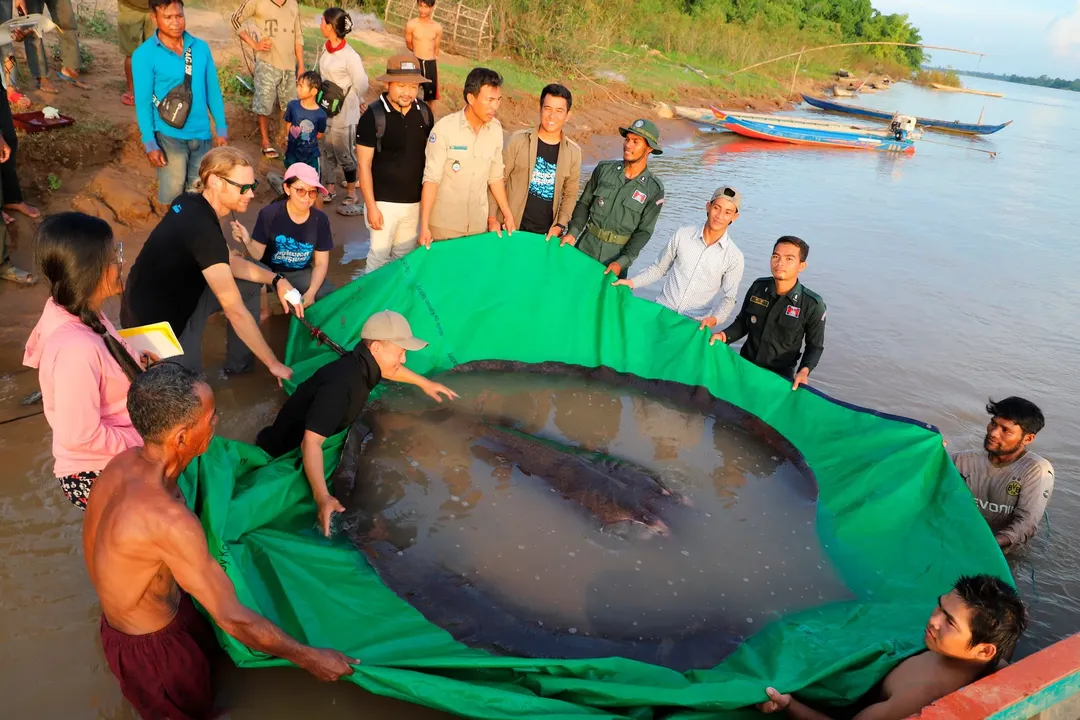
[403, 69]
[389, 326]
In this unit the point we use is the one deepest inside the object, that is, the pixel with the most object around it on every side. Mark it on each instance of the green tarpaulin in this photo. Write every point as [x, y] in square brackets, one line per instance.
[897, 520]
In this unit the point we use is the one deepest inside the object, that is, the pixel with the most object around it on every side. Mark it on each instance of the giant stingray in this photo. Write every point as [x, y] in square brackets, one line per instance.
[623, 504]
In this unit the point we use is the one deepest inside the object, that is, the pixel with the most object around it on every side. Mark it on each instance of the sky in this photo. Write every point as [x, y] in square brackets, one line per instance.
[1025, 37]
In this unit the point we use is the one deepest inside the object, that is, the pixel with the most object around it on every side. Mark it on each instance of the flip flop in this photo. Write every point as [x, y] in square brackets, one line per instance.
[73, 80]
[270, 153]
[28, 210]
[128, 99]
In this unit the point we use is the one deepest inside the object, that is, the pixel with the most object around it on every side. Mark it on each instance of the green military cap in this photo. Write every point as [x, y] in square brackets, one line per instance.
[646, 129]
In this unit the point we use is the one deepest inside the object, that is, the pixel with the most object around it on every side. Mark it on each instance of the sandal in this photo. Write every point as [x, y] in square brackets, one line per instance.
[128, 98]
[16, 275]
[28, 210]
[73, 80]
[350, 209]
[270, 153]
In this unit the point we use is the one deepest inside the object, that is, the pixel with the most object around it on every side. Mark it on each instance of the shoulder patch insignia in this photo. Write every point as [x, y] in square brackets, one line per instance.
[431, 138]
[823, 315]
[660, 201]
[1013, 489]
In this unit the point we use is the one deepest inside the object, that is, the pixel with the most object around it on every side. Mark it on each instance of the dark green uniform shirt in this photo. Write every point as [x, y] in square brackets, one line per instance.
[614, 217]
[776, 325]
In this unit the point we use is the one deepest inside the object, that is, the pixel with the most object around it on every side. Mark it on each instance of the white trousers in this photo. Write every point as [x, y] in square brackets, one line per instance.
[400, 231]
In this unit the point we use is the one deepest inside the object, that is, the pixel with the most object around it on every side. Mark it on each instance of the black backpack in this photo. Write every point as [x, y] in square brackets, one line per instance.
[378, 110]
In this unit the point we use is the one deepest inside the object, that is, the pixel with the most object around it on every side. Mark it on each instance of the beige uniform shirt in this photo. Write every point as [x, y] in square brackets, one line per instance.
[278, 23]
[462, 163]
[1011, 498]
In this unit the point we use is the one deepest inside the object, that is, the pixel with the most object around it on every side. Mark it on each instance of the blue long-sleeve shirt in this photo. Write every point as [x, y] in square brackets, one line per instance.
[156, 70]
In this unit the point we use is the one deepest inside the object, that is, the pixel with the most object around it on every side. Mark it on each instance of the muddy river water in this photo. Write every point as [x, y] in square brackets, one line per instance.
[948, 280]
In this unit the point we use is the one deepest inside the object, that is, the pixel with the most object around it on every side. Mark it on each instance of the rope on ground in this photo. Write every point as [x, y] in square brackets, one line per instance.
[22, 417]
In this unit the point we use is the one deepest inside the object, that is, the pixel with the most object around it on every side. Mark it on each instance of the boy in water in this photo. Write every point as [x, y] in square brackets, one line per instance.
[307, 122]
[971, 633]
[422, 36]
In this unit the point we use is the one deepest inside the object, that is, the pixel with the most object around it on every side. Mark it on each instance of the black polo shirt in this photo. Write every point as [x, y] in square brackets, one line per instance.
[326, 403]
[167, 279]
[775, 327]
[397, 171]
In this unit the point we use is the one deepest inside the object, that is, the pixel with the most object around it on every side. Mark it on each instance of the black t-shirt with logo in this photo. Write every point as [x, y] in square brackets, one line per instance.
[397, 172]
[166, 280]
[539, 213]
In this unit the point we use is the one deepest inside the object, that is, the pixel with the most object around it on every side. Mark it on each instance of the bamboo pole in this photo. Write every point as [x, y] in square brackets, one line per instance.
[840, 45]
[454, 34]
[795, 75]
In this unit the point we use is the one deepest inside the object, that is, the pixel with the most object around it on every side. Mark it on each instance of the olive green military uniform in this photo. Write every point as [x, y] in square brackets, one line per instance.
[775, 327]
[615, 217]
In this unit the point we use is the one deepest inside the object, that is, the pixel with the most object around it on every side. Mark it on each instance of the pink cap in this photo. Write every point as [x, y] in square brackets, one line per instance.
[305, 174]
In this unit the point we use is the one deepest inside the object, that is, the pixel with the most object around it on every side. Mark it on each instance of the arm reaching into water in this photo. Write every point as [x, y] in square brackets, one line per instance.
[432, 389]
[185, 552]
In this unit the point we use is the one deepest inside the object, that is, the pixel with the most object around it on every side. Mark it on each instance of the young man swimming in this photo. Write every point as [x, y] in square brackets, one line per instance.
[971, 633]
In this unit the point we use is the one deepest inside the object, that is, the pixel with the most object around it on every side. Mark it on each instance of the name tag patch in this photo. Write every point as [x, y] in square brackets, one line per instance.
[792, 311]
[759, 301]
[640, 196]
[459, 147]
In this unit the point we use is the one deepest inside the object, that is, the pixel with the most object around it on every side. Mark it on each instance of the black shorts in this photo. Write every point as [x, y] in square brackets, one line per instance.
[430, 70]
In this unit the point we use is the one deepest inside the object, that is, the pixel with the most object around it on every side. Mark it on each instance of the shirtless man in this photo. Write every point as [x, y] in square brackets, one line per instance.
[972, 632]
[145, 552]
[422, 36]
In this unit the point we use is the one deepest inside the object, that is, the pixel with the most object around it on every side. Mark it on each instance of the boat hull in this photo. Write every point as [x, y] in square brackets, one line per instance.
[940, 125]
[813, 137]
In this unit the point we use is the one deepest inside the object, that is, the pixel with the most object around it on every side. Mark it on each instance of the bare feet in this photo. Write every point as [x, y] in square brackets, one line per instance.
[45, 85]
[28, 210]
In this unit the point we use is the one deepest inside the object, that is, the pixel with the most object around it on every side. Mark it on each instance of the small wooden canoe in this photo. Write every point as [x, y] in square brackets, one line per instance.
[969, 91]
[791, 132]
[943, 125]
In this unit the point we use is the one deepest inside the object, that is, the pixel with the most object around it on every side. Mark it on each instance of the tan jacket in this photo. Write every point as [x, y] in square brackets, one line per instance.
[519, 158]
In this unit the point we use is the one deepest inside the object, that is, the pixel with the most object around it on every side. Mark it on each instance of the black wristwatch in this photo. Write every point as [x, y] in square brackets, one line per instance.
[278, 277]
[562, 229]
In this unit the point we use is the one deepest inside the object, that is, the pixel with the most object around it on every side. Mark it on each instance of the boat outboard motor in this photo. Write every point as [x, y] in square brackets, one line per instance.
[902, 126]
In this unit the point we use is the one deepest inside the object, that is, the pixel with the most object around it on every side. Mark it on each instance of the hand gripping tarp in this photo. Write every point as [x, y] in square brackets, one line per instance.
[899, 523]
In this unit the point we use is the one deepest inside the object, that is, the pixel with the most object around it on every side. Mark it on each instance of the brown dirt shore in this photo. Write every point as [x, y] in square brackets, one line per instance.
[99, 166]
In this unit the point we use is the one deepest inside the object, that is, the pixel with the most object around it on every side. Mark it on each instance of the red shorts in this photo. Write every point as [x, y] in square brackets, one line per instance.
[166, 675]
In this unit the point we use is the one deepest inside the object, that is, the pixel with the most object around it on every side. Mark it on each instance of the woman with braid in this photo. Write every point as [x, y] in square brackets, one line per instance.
[84, 369]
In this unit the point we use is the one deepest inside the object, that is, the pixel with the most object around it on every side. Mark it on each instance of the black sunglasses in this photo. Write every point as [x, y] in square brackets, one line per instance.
[243, 188]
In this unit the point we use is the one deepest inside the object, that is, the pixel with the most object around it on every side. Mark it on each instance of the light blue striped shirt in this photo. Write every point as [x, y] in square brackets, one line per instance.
[700, 280]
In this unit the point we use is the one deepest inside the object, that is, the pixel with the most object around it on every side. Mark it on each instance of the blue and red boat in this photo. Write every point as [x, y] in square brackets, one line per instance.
[796, 131]
[953, 126]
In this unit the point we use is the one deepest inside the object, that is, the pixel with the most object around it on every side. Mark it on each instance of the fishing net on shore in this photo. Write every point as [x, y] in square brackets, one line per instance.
[893, 516]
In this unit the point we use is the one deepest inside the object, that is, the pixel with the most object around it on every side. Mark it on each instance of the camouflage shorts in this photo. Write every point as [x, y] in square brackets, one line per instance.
[271, 84]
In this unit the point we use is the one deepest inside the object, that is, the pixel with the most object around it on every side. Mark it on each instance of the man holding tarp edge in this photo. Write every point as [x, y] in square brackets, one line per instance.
[778, 314]
[616, 213]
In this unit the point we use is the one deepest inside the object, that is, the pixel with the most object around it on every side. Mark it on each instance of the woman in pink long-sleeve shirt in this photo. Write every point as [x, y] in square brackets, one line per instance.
[84, 370]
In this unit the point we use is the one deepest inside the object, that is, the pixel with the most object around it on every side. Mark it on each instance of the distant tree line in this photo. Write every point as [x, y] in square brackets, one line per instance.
[1041, 81]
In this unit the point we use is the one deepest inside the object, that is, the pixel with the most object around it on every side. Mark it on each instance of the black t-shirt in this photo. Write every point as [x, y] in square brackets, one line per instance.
[166, 280]
[397, 172]
[290, 246]
[539, 214]
[326, 403]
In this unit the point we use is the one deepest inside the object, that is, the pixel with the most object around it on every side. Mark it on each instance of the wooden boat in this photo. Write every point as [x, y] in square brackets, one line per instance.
[710, 118]
[969, 91]
[942, 125]
[800, 133]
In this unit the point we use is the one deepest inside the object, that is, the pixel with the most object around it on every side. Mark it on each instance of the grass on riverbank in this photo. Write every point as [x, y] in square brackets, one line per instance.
[926, 78]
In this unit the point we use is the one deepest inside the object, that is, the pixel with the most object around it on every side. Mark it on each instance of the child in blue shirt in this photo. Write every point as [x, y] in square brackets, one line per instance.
[307, 123]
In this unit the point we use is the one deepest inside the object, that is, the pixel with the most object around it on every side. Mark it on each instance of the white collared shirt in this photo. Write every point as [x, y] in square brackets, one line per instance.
[701, 280]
